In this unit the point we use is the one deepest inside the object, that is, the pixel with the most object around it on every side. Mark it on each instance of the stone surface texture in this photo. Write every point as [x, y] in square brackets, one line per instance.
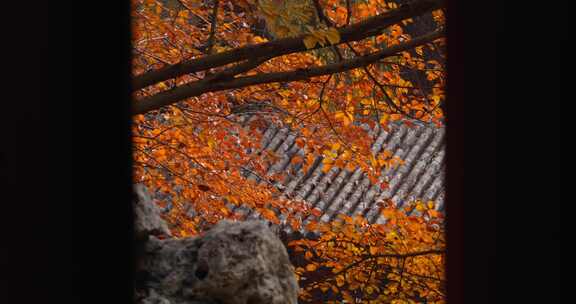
[232, 263]
[147, 214]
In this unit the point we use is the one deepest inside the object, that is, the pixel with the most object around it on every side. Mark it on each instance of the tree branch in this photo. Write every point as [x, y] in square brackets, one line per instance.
[321, 14]
[388, 100]
[237, 69]
[203, 86]
[367, 28]
[348, 12]
[210, 43]
[406, 255]
[394, 255]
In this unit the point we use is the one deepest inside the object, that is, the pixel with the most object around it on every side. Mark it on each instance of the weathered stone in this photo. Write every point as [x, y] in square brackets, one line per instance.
[233, 263]
[154, 298]
[147, 215]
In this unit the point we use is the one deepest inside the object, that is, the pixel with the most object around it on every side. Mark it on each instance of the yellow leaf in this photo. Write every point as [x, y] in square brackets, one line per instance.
[382, 162]
[340, 280]
[369, 290]
[316, 33]
[224, 210]
[391, 235]
[420, 207]
[310, 267]
[384, 119]
[333, 35]
[346, 155]
[373, 250]
[373, 161]
[366, 101]
[258, 39]
[282, 31]
[346, 121]
[233, 199]
[211, 143]
[419, 50]
[350, 116]
[310, 41]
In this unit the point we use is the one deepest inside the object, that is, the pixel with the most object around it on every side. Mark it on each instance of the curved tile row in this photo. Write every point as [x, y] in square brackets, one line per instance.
[422, 147]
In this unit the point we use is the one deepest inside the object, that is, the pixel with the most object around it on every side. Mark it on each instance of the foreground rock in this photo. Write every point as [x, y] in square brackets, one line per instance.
[233, 263]
[148, 220]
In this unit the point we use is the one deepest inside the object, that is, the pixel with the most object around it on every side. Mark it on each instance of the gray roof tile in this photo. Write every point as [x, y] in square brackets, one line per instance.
[421, 146]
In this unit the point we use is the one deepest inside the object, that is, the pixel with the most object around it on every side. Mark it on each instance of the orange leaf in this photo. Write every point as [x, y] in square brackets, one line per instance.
[300, 142]
[316, 212]
[350, 166]
[340, 280]
[346, 218]
[203, 188]
[295, 223]
[326, 168]
[269, 215]
[296, 160]
[311, 226]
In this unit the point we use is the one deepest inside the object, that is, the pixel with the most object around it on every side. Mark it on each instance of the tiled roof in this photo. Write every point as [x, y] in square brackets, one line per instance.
[421, 146]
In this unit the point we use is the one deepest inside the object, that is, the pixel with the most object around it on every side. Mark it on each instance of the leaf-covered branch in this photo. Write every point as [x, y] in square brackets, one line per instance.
[367, 28]
[391, 255]
[203, 86]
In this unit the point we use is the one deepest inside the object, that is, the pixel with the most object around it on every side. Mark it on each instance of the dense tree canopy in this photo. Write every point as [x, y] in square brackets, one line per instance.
[208, 74]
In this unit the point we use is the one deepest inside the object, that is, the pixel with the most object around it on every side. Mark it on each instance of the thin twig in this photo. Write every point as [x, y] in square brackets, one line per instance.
[348, 12]
[213, 25]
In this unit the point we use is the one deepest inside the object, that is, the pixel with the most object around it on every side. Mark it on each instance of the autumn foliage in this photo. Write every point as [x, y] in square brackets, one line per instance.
[210, 75]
